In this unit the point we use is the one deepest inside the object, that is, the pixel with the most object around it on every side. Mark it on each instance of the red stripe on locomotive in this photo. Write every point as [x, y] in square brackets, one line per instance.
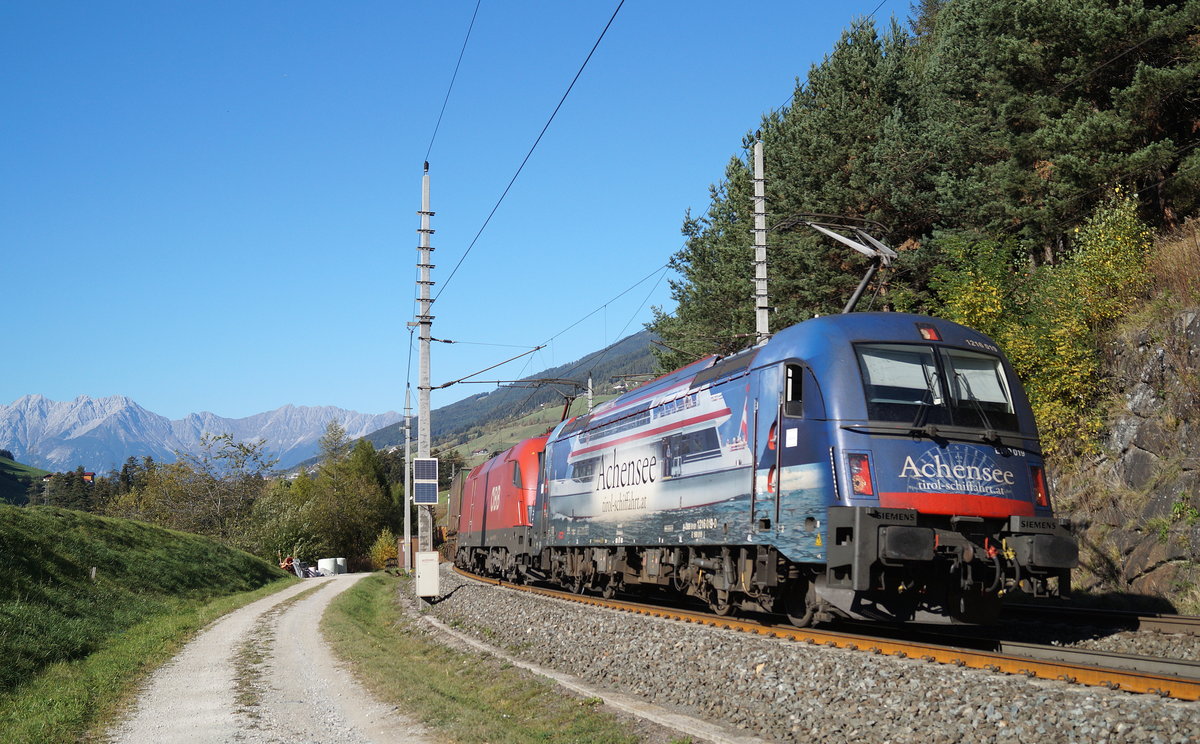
[957, 503]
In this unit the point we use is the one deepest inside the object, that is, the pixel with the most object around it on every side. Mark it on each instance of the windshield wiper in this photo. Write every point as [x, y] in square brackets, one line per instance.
[928, 400]
[989, 433]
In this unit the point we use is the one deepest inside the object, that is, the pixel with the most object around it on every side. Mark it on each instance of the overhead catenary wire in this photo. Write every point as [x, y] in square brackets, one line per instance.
[481, 343]
[623, 292]
[660, 271]
[529, 154]
[433, 137]
[453, 77]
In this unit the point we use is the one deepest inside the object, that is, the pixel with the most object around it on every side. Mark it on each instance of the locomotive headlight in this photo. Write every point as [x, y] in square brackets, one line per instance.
[860, 474]
[1037, 476]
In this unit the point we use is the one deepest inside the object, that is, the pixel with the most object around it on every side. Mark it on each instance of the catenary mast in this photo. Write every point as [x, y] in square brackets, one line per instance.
[424, 322]
[762, 308]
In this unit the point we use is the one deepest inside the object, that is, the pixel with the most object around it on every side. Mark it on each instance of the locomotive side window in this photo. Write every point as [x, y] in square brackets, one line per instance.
[793, 389]
[517, 474]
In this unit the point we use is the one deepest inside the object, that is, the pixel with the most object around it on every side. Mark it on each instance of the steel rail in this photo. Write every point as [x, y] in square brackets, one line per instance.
[1076, 671]
[1181, 668]
[1131, 619]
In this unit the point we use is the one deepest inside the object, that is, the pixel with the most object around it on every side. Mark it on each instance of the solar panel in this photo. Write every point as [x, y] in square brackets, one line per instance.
[425, 493]
[425, 468]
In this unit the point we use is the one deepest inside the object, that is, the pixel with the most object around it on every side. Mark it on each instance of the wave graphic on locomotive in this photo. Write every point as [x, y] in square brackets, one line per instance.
[871, 465]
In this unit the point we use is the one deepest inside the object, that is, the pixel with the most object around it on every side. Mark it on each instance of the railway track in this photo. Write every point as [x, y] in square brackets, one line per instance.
[1167, 678]
[1126, 619]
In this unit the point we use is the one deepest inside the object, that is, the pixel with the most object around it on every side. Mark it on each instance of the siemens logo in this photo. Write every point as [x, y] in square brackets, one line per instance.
[1041, 524]
[939, 469]
[895, 516]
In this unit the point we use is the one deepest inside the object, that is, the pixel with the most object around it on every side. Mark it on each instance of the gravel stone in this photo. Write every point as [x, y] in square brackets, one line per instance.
[784, 690]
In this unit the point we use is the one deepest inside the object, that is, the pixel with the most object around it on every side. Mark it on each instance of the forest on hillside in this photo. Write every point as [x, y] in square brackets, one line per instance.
[1019, 154]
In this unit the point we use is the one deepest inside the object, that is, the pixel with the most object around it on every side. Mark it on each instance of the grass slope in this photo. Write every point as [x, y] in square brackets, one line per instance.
[70, 643]
[15, 479]
[461, 697]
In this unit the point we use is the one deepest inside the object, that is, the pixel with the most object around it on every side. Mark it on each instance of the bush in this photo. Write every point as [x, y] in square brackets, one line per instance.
[1049, 320]
[384, 549]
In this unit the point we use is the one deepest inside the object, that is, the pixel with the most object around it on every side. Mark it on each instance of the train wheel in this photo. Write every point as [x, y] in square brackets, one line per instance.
[800, 602]
[720, 602]
[610, 589]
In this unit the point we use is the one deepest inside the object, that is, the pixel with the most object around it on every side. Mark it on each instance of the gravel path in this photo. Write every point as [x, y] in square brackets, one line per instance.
[264, 674]
[787, 691]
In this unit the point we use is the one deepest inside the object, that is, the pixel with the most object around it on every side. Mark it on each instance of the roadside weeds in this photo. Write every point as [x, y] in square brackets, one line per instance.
[463, 697]
[80, 700]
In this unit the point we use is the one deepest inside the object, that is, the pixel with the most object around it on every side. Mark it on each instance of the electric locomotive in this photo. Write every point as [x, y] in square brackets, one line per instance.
[493, 507]
[881, 466]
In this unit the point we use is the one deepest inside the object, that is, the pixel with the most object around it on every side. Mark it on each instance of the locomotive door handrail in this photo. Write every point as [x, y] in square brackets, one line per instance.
[777, 471]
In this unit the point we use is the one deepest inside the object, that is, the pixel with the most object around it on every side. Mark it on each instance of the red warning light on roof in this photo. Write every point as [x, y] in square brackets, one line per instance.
[928, 332]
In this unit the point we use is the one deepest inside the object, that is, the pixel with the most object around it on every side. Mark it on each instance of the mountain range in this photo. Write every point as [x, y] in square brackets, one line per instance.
[101, 433]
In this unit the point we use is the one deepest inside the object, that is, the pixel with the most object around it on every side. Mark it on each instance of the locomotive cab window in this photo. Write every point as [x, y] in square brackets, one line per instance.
[517, 474]
[793, 389]
[919, 384]
[980, 389]
[900, 379]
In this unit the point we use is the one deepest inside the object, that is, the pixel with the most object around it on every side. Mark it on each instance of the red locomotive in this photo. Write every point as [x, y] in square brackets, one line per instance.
[495, 511]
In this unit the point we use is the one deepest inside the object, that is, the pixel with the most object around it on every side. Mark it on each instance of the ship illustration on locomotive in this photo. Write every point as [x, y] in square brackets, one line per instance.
[876, 465]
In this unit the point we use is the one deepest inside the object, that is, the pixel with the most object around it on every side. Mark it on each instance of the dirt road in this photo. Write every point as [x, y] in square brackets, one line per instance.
[264, 674]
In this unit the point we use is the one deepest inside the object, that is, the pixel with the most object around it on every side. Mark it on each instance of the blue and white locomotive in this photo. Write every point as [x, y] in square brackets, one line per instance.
[869, 465]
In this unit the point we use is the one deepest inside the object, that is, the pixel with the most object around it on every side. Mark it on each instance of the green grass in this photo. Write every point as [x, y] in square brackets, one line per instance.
[15, 479]
[460, 697]
[12, 467]
[74, 647]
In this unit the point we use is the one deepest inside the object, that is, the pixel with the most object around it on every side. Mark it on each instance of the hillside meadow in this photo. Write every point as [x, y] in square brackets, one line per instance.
[90, 604]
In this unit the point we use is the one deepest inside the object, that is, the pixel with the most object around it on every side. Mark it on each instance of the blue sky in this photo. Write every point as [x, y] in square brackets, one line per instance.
[212, 206]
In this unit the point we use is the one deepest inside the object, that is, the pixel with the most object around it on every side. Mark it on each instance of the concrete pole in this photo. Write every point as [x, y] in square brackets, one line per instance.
[424, 320]
[761, 307]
